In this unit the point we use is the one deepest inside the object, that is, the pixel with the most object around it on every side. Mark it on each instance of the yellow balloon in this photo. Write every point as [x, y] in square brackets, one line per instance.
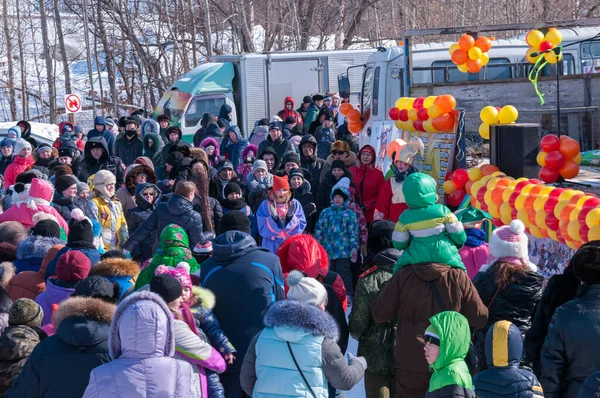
[554, 36]
[506, 212]
[508, 114]
[477, 185]
[428, 126]
[475, 174]
[506, 194]
[475, 53]
[484, 58]
[577, 159]
[526, 189]
[568, 194]
[399, 124]
[582, 200]
[531, 59]
[412, 114]
[524, 217]
[520, 202]
[574, 214]
[546, 190]
[534, 38]
[484, 131]
[453, 48]
[462, 68]
[488, 114]
[541, 158]
[572, 244]
[539, 202]
[449, 187]
[540, 219]
[428, 101]
[552, 234]
[493, 210]
[592, 219]
[409, 102]
[559, 207]
[573, 230]
[594, 233]
[487, 198]
[498, 174]
[433, 111]
[400, 102]
[552, 58]
[535, 231]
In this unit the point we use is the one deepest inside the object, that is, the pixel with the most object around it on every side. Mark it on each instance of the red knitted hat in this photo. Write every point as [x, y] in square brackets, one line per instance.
[73, 266]
[280, 183]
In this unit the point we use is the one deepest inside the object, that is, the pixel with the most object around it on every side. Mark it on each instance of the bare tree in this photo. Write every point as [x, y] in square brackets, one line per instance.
[11, 71]
[49, 64]
[61, 47]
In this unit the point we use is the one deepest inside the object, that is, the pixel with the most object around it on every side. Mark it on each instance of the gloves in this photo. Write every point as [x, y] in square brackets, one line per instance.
[352, 359]
[354, 255]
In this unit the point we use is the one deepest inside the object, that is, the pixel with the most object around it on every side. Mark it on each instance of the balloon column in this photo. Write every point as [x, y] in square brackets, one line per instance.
[565, 215]
[543, 49]
[353, 115]
[559, 157]
[470, 54]
[495, 115]
[425, 114]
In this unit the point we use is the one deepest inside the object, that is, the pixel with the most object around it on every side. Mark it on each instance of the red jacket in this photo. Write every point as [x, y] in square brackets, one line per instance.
[368, 181]
[19, 165]
[285, 112]
[389, 211]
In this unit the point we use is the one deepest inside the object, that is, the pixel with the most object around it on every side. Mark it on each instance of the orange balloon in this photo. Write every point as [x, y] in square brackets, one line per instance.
[564, 137]
[569, 170]
[355, 127]
[528, 205]
[444, 122]
[466, 42]
[566, 212]
[489, 169]
[483, 43]
[412, 114]
[445, 103]
[353, 115]
[468, 186]
[536, 189]
[573, 200]
[497, 195]
[569, 148]
[474, 65]
[459, 57]
[345, 108]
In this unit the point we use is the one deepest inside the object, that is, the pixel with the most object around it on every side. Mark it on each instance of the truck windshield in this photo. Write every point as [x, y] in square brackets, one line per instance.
[201, 105]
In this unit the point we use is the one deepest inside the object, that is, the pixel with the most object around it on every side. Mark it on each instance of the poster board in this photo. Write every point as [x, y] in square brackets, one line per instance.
[438, 158]
[382, 134]
[550, 256]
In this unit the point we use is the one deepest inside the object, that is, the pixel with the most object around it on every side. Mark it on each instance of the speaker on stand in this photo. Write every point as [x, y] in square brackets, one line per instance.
[514, 148]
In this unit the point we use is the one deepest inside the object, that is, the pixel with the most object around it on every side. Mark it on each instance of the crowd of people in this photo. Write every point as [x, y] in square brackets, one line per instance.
[136, 264]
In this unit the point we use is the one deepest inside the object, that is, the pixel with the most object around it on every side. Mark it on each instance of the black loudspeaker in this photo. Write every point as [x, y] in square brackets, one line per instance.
[514, 149]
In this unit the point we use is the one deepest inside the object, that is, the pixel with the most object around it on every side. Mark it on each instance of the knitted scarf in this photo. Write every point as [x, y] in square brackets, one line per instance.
[475, 237]
[400, 176]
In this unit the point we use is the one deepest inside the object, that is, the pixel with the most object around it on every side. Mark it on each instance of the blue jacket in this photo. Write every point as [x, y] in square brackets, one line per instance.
[274, 230]
[89, 251]
[234, 150]
[591, 387]
[241, 275]
[107, 135]
[241, 205]
[60, 365]
[504, 377]
[31, 252]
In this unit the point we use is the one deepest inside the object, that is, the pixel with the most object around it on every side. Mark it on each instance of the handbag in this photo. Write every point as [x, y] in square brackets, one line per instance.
[300, 370]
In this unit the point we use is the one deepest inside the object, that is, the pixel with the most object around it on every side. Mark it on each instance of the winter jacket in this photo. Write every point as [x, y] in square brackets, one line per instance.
[5, 304]
[516, 302]
[591, 387]
[325, 137]
[135, 218]
[504, 377]
[207, 119]
[202, 311]
[31, 252]
[343, 134]
[153, 151]
[28, 284]
[4, 162]
[368, 181]
[571, 351]
[408, 298]
[224, 114]
[46, 166]
[26, 134]
[451, 376]
[281, 146]
[86, 248]
[337, 230]
[241, 275]
[16, 345]
[120, 271]
[475, 252]
[173, 248]
[147, 369]
[285, 112]
[55, 293]
[259, 134]
[313, 164]
[38, 200]
[217, 187]
[274, 230]
[128, 150]
[127, 194]
[375, 341]
[363, 230]
[245, 169]
[18, 165]
[306, 198]
[427, 232]
[60, 365]
[216, 157]
[559, 290]
[108, 136]
[90, 166]
[240, 205]
[234, 150]
[311, 114]
[349, 162]
[109, 214]
[323, 200]
[63, 205]
[391, 202]
[177, 210]
[269, 369]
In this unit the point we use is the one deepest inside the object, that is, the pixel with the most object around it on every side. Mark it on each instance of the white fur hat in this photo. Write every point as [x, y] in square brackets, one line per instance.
[305, 289]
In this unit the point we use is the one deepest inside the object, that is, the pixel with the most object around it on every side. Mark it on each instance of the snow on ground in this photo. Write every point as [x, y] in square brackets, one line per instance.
[359, 390]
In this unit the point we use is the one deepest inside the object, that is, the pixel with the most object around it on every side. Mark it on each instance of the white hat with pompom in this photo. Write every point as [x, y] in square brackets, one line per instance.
[305, 289]
[510, 241]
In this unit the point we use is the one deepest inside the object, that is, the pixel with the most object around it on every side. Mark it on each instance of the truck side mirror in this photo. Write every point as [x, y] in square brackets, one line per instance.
[344, 85]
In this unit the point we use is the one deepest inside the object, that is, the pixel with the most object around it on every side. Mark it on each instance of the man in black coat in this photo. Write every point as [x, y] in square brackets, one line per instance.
[26, 133]
[129, 147]
[96, 158]
[246, 280]
[276, 141]
[309, 161]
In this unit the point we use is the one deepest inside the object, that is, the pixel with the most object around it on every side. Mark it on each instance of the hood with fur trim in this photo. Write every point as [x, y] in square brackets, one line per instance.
[211, 141]
[134, 172]
[204, 297]
[115, 267]
[348, 162]
[248, 148]
[300, 316]
[36, 246]
[84, 307]
[150, 126]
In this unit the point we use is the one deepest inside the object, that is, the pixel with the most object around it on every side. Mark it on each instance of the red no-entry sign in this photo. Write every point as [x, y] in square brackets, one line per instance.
[72, 103]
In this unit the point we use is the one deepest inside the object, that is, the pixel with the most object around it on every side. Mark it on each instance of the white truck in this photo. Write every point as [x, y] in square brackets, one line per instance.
[255, 85]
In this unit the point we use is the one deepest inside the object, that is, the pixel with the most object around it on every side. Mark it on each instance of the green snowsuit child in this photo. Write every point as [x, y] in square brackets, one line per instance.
[450, 331]
[426, 231]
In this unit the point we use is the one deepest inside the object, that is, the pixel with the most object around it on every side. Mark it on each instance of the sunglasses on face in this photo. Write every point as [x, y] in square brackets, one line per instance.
[338, 152]
[147, 194]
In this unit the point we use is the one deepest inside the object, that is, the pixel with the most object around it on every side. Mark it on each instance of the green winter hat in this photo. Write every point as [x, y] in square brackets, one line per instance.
[471, 216]
[432, 335]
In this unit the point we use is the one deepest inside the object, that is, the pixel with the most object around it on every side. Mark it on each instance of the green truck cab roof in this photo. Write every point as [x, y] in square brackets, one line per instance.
[214, 77]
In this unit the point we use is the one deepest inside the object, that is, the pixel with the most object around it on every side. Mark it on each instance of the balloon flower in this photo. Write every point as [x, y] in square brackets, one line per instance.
[353, 115]
[424, 114]
[470, 54]
[559, 157]
[495, 115]
[543, 49]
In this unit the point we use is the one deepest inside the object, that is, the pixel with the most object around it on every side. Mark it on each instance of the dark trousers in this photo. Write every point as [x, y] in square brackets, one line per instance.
[379, 386]
[232, 386]
[343, 267]
[412, 384]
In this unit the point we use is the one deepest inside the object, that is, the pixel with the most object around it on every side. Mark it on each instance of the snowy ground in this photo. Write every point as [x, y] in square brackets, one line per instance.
[359, 390]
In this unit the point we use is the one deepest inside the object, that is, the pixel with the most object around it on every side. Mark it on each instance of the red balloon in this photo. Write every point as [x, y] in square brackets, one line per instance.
[552, 222]
[546, 45]
[535, 181]
[455, 198]
[548, 176]
[481, 194]
[394, 113]
[555, 193]
[554, 160]
[519, 187]
[403, 115]
[422, 114]
[583, 232]
[449, 176]
[582, 214]
[418, 104]
[591, 203]
[418, 124]
[497, 222]
[550, 204]
[460, 178]
[550, 143]
[512, 199]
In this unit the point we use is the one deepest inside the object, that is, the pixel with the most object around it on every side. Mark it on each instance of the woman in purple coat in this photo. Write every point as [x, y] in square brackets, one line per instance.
[280, 216]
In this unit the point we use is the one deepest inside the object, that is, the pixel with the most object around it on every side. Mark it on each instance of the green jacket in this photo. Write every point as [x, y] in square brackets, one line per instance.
[426, 231]
[451, 375]
[375, 340]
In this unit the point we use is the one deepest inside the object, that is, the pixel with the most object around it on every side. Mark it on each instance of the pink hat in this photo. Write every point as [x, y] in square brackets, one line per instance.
[509, 243]
[181, 273]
